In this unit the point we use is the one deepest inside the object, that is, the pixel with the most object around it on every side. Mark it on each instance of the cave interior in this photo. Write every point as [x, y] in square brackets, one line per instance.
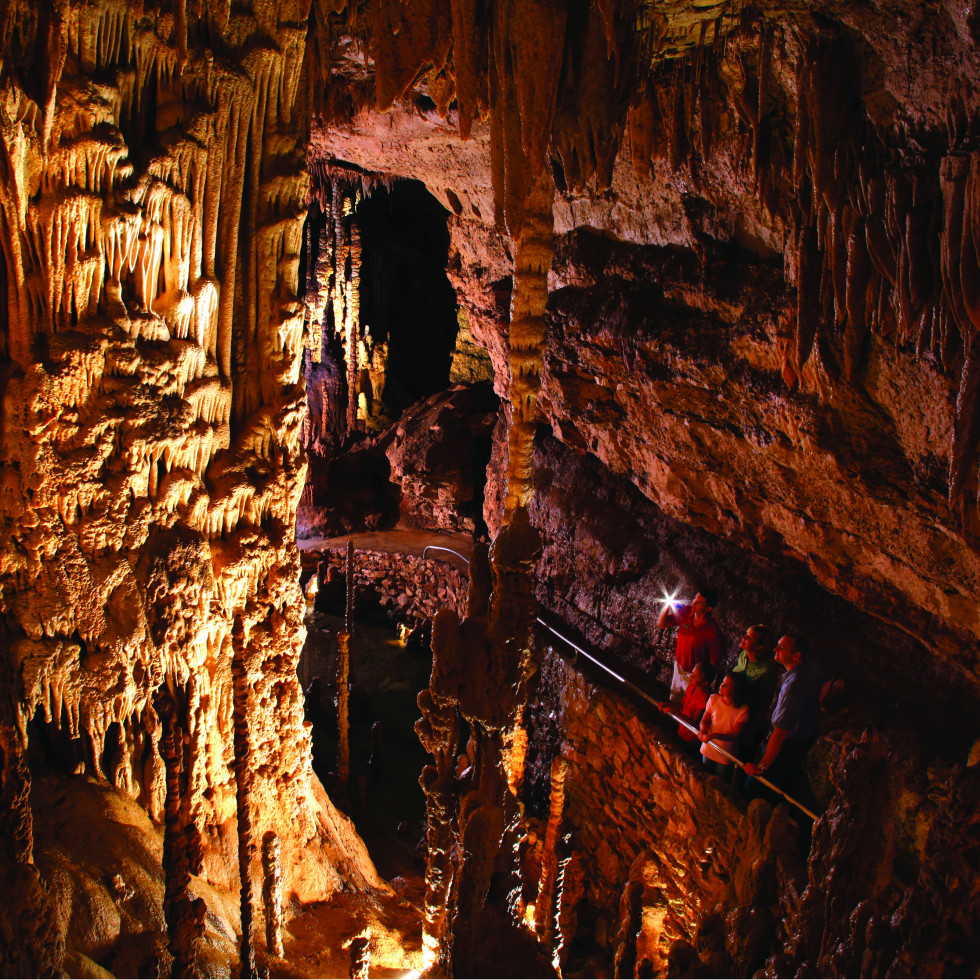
[372, 374]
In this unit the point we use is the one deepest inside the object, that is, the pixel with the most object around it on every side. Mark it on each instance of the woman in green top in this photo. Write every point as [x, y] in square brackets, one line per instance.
[761, 680]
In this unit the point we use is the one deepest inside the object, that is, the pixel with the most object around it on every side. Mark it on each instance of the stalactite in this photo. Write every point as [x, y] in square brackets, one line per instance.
[407, 37]
[352, 326]
[122, 772]
[515, 757]
[470, 53]
[533, 251]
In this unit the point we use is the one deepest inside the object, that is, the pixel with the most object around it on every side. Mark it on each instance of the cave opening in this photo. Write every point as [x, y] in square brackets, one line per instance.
[407, 301]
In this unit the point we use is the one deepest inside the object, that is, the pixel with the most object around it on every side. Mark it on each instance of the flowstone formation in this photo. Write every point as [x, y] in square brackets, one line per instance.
[729, 251]
[152, 212]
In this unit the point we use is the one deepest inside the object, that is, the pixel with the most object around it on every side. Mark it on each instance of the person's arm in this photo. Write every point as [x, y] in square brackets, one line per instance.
[667, 617]
[705, 729]
[773, 747]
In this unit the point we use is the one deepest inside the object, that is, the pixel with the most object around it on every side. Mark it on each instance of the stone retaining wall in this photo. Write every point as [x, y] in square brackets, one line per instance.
[646, 815]
[408, 588]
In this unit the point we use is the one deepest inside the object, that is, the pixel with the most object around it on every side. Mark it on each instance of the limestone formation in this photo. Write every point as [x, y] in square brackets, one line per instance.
[720, 263]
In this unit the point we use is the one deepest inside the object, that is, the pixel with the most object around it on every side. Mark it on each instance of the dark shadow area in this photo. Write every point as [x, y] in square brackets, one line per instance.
[406, 299]
[383, 795]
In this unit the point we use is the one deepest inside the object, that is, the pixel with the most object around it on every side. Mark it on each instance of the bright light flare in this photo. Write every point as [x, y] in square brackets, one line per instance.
[671, 600]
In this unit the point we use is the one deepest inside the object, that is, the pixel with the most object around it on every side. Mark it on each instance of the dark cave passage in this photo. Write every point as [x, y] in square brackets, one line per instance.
[407, 301]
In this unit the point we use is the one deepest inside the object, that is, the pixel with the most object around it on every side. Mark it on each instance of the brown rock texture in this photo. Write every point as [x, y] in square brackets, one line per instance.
[152, 218]
[439, 454]
[759, 310]
[673, 857]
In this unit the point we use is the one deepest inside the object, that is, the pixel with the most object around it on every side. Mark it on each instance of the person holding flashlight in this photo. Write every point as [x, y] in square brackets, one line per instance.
[699, 640]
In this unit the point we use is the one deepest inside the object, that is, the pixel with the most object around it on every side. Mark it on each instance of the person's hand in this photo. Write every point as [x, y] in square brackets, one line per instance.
[704, 736]
[753, 769]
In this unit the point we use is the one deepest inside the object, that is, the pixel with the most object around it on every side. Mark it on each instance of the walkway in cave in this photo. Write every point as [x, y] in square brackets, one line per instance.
[399, 540]
[604, 668]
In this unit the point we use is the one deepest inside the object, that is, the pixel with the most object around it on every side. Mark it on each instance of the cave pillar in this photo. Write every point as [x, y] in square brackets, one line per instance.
[438, 731]
[183, 849]
[272, 892]
[544, 919]
[533, 253]
[343, 709]
[243, 787]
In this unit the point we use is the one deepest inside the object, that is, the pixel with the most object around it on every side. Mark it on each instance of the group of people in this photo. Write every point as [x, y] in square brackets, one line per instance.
[741, 713]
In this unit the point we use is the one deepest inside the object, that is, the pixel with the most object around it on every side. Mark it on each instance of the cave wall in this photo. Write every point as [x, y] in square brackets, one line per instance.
[404, 587]
[759, 302]
[151, 215]
[758, 361]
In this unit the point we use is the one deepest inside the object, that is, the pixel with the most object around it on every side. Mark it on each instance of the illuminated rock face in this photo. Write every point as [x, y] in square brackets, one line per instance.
[760, 321]
[152, 210]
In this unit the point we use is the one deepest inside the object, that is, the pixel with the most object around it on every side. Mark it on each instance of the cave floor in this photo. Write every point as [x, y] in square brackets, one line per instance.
[315, 941]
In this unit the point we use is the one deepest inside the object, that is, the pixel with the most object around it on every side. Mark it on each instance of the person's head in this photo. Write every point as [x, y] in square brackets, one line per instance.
[732, 689]
[703, 675]
[791, 649]
[702, 604]
[755, 642]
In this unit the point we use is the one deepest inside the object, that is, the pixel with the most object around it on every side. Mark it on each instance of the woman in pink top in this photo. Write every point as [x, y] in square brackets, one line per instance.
[723, 719]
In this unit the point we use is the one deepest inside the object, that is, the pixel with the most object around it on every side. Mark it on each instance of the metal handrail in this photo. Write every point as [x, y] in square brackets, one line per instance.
[439, 547]
[680, 719]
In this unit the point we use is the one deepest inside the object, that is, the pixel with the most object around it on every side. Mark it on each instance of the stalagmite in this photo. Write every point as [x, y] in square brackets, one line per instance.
[570, 890]
[438, 731]
[272, 892]
[343, 709]
[15, 792]
[183, 851]
[243, 781]
[360, 957]
[544, 906]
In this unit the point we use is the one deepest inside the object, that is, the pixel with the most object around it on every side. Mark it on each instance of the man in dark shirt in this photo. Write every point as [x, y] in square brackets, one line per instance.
[794, 720]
